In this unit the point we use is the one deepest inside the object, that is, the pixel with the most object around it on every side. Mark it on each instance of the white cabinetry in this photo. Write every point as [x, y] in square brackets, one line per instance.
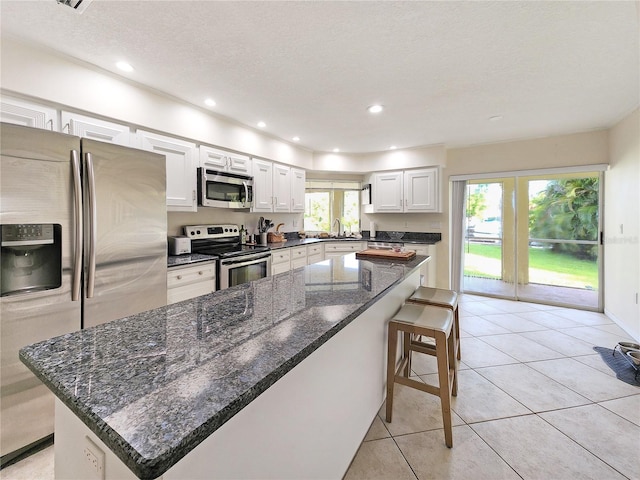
[298, 257]
[20, 112]
[315, 253]
[427, 270]
[338, 249]
[407, 191]
[262, 186]
[224, 161]
[281, 188]
[277, 188]
[101, 130]
[190, 281]
[181, 172]
[280, 260]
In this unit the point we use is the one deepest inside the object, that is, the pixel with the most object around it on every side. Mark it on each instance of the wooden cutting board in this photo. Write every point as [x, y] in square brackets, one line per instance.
[389, 254]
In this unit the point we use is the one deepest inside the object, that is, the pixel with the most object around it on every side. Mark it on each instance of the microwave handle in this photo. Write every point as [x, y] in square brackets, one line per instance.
[246, 192]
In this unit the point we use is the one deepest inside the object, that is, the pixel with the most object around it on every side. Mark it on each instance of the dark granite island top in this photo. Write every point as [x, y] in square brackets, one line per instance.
[155, 385]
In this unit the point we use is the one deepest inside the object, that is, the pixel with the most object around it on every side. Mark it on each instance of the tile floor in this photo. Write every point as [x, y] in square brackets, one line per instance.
[535, 401]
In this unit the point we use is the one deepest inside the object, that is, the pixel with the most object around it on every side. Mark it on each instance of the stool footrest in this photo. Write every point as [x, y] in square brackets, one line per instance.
[425, 387]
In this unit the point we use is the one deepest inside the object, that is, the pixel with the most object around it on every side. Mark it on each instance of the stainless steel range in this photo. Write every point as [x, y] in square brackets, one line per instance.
[237, 263]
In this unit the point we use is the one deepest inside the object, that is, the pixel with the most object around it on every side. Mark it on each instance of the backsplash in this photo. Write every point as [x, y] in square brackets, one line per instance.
[293, 222]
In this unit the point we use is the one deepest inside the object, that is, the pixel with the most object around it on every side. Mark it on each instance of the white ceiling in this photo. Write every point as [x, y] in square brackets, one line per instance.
[311, 68]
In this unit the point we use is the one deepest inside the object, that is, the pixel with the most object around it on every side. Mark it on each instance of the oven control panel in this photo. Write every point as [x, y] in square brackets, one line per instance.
[196, 232]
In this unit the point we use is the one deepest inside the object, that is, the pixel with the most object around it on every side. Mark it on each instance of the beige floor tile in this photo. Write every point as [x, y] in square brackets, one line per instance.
[468, 298]
[469, 458]
[595, 361]
[377, 430]
[616, 330]
[536, 450]
[511, 306]
[477, 353]
[414, 411]
[534, 390]
[379, 459]
[38, 466]
[586, 381]
[521, 348]
[627, 407]
[479, 400]
[583, 317]
[548, 319]
[514, 322]
[479, 308]
[611, 438]
[478, 326]
[560, 342]
[594, 336]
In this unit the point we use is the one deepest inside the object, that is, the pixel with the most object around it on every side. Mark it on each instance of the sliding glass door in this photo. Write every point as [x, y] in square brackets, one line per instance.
[535, 238]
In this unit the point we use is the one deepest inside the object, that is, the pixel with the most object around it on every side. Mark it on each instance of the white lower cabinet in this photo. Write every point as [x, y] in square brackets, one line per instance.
[428, 270]
[315, 253]
[298, 257]
[190, 281]
[280, 260]
[338, 249]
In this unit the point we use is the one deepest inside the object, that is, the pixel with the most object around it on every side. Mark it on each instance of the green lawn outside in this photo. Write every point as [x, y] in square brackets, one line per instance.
[545, 267]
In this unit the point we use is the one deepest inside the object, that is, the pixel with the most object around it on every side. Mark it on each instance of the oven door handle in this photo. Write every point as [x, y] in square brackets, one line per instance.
[246, 259]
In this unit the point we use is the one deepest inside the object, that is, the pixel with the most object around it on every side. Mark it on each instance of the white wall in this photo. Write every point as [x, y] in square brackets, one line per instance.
[622, 225]
[377, 161]
[53, 78]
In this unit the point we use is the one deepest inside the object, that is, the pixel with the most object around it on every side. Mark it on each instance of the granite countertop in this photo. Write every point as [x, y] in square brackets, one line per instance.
[152, 386]
[294, 241]
[188, 259]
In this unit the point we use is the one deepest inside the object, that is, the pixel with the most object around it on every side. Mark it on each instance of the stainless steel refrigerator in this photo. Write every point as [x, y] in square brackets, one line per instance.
[84, 232]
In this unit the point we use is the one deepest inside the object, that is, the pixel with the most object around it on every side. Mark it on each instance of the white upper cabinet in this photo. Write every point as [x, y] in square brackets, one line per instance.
[277, 188]
[222, 160]
[281, 188]
[262, 186]
[181, 172]
[407, 191]
[421, 190]
[28, 114]
[101, 130]
[387, 191]
[298, 179]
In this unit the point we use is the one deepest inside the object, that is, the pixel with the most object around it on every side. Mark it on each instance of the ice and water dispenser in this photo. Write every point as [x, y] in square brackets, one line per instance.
[30, 258]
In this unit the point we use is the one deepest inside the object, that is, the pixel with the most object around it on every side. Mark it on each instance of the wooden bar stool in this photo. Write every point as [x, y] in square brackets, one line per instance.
[412, 321]
[440, 298]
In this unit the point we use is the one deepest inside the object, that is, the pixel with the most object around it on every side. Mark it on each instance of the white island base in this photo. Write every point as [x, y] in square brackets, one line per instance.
[308, 425]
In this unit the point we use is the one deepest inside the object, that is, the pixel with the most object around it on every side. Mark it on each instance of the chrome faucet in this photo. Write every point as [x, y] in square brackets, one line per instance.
[337, 220]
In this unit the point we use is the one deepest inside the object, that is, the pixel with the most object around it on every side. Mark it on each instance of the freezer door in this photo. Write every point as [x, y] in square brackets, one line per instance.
[36, 185]
[125, 266]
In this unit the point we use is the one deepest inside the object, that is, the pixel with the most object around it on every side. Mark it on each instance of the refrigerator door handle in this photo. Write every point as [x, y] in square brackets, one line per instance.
[77, 204]
[93, 225]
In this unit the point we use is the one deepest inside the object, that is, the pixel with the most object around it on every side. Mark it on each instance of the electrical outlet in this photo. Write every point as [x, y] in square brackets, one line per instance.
[94, 457]
[295, 222]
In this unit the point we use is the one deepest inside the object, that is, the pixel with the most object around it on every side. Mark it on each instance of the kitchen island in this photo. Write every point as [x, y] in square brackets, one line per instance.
[278, 378]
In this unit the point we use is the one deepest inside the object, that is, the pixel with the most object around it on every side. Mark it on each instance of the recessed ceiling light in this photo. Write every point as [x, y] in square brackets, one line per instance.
[375, 108]
[262, 124]
[124, 66]
[210, 101]
[392, 147]
[336, 150]
[495, 118]
[296, 139]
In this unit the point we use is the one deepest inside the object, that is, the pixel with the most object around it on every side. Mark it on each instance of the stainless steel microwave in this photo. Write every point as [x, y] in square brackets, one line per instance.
[224, 189]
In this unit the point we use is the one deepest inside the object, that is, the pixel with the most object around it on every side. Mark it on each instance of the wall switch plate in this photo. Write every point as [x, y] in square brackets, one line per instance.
[94, 457]
[435, 224]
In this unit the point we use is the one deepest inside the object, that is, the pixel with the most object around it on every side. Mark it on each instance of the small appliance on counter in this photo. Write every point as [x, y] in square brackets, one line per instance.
[179, 245]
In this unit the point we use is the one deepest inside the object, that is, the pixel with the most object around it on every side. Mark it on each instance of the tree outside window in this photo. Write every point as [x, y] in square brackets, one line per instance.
[326, 201]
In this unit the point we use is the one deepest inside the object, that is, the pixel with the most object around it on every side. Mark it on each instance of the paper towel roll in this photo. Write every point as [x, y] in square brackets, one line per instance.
[372, 229]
